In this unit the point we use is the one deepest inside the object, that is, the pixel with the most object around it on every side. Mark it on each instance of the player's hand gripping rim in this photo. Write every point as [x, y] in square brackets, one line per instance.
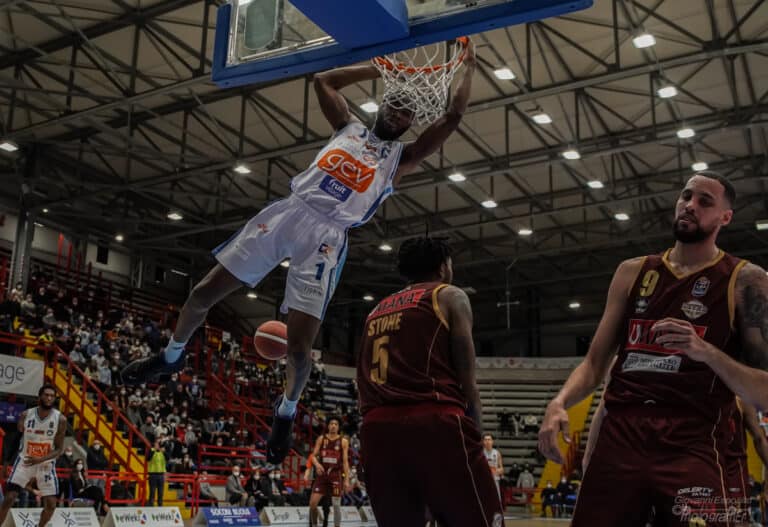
[555, 422]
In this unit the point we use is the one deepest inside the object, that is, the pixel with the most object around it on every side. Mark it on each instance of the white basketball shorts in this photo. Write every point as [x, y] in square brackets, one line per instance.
[44, 474]
[289, 228]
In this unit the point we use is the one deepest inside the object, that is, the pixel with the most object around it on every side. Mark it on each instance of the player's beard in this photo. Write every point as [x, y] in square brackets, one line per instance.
[690, 235]
[46, 406]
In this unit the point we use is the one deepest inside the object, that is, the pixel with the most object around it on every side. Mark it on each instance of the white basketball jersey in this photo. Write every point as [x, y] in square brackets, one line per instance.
[350, 177]
[39, 433]
[492, 456]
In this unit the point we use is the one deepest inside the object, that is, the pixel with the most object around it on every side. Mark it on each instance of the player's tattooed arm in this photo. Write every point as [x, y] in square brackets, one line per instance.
[752, 315]
[748, 377]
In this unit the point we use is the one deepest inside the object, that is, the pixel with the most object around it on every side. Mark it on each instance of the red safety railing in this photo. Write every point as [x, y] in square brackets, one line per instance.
[136, 484]
[572, 459]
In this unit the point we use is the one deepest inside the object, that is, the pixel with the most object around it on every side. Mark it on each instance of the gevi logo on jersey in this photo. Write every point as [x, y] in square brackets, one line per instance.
[346, 169]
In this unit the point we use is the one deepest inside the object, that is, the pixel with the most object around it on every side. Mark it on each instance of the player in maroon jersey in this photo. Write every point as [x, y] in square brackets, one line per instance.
[691, 330]
[416, 379]
[331, 461]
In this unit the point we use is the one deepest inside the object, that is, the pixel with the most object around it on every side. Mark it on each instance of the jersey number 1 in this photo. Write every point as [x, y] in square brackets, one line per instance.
[380, 361]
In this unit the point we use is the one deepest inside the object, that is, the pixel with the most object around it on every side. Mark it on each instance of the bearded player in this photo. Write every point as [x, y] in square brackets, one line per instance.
[342, 189]
[43, 428]
[691, 330]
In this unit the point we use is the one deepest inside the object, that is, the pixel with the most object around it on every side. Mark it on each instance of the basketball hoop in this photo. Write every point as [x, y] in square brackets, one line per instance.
[415, 80]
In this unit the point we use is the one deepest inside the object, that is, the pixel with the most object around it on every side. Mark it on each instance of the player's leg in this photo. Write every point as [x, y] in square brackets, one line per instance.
[391, 484]
[243, 259]
[336, 501]
[217, 284]
[314, 501]
[12, 492]
[49, 506]
[315, 268]
[456, 466]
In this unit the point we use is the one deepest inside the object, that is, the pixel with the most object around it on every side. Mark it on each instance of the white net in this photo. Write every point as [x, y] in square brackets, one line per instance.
[419, 79]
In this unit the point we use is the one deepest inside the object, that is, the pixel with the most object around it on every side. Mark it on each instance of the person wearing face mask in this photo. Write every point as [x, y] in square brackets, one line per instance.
[66, 463]
[549, 499]
[82, 490]
[234, 491]
[156, 466]
[97, 461]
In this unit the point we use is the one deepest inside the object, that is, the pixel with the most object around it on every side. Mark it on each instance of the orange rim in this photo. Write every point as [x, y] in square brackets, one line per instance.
[399, 66]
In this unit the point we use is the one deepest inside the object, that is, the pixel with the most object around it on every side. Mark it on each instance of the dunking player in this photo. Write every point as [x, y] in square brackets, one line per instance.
[42, 442]
[345, 184]
[416, 378]
[331, 461]
[691, 329]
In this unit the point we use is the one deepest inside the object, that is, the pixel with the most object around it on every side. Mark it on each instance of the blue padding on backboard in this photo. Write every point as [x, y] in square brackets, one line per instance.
[333, 55]
[358, 23]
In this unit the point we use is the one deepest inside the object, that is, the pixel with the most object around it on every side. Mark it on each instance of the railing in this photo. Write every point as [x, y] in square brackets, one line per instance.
[63, 379]
[571, 457]
[136, 481]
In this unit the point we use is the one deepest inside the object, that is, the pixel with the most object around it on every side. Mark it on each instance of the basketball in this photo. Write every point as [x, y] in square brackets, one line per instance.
[271, 340]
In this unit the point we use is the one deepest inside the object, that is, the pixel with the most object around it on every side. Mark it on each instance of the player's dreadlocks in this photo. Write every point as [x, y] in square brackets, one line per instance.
[420, 258]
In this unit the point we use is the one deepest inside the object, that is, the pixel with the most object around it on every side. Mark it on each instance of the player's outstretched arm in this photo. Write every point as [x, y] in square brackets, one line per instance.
[327, 86]
[588, 375]
[455, 304]
[435, 135]
[747, 379]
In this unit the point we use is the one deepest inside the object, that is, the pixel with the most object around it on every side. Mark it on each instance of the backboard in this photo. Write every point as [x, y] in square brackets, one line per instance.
[263, 40]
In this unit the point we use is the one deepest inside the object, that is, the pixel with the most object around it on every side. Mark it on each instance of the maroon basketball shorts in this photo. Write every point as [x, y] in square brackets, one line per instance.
[328, 484]
[648, 459]
[427, 456]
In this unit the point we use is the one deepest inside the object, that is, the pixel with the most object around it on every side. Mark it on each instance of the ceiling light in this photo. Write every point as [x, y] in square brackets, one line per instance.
[574, 305]
[525, 232]
[685, 133]
[368, 298]
[9, 146]
[572, 155]
[644, 40]
[699, 166]
[667, 92]
[45, 211]
[175, 216]
[285, 263]
[240, 168]
[119, 237]
[457, 177]
[621, 216]
[489, 204]
[762, 225]
[504, 74]
[252, 295]
[180, 273]
[385, 247]
[595, 184]
[369, 107]
[541, 118]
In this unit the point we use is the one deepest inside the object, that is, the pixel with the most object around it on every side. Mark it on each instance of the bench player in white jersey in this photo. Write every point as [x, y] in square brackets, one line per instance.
[42, 442]
[342, 189]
